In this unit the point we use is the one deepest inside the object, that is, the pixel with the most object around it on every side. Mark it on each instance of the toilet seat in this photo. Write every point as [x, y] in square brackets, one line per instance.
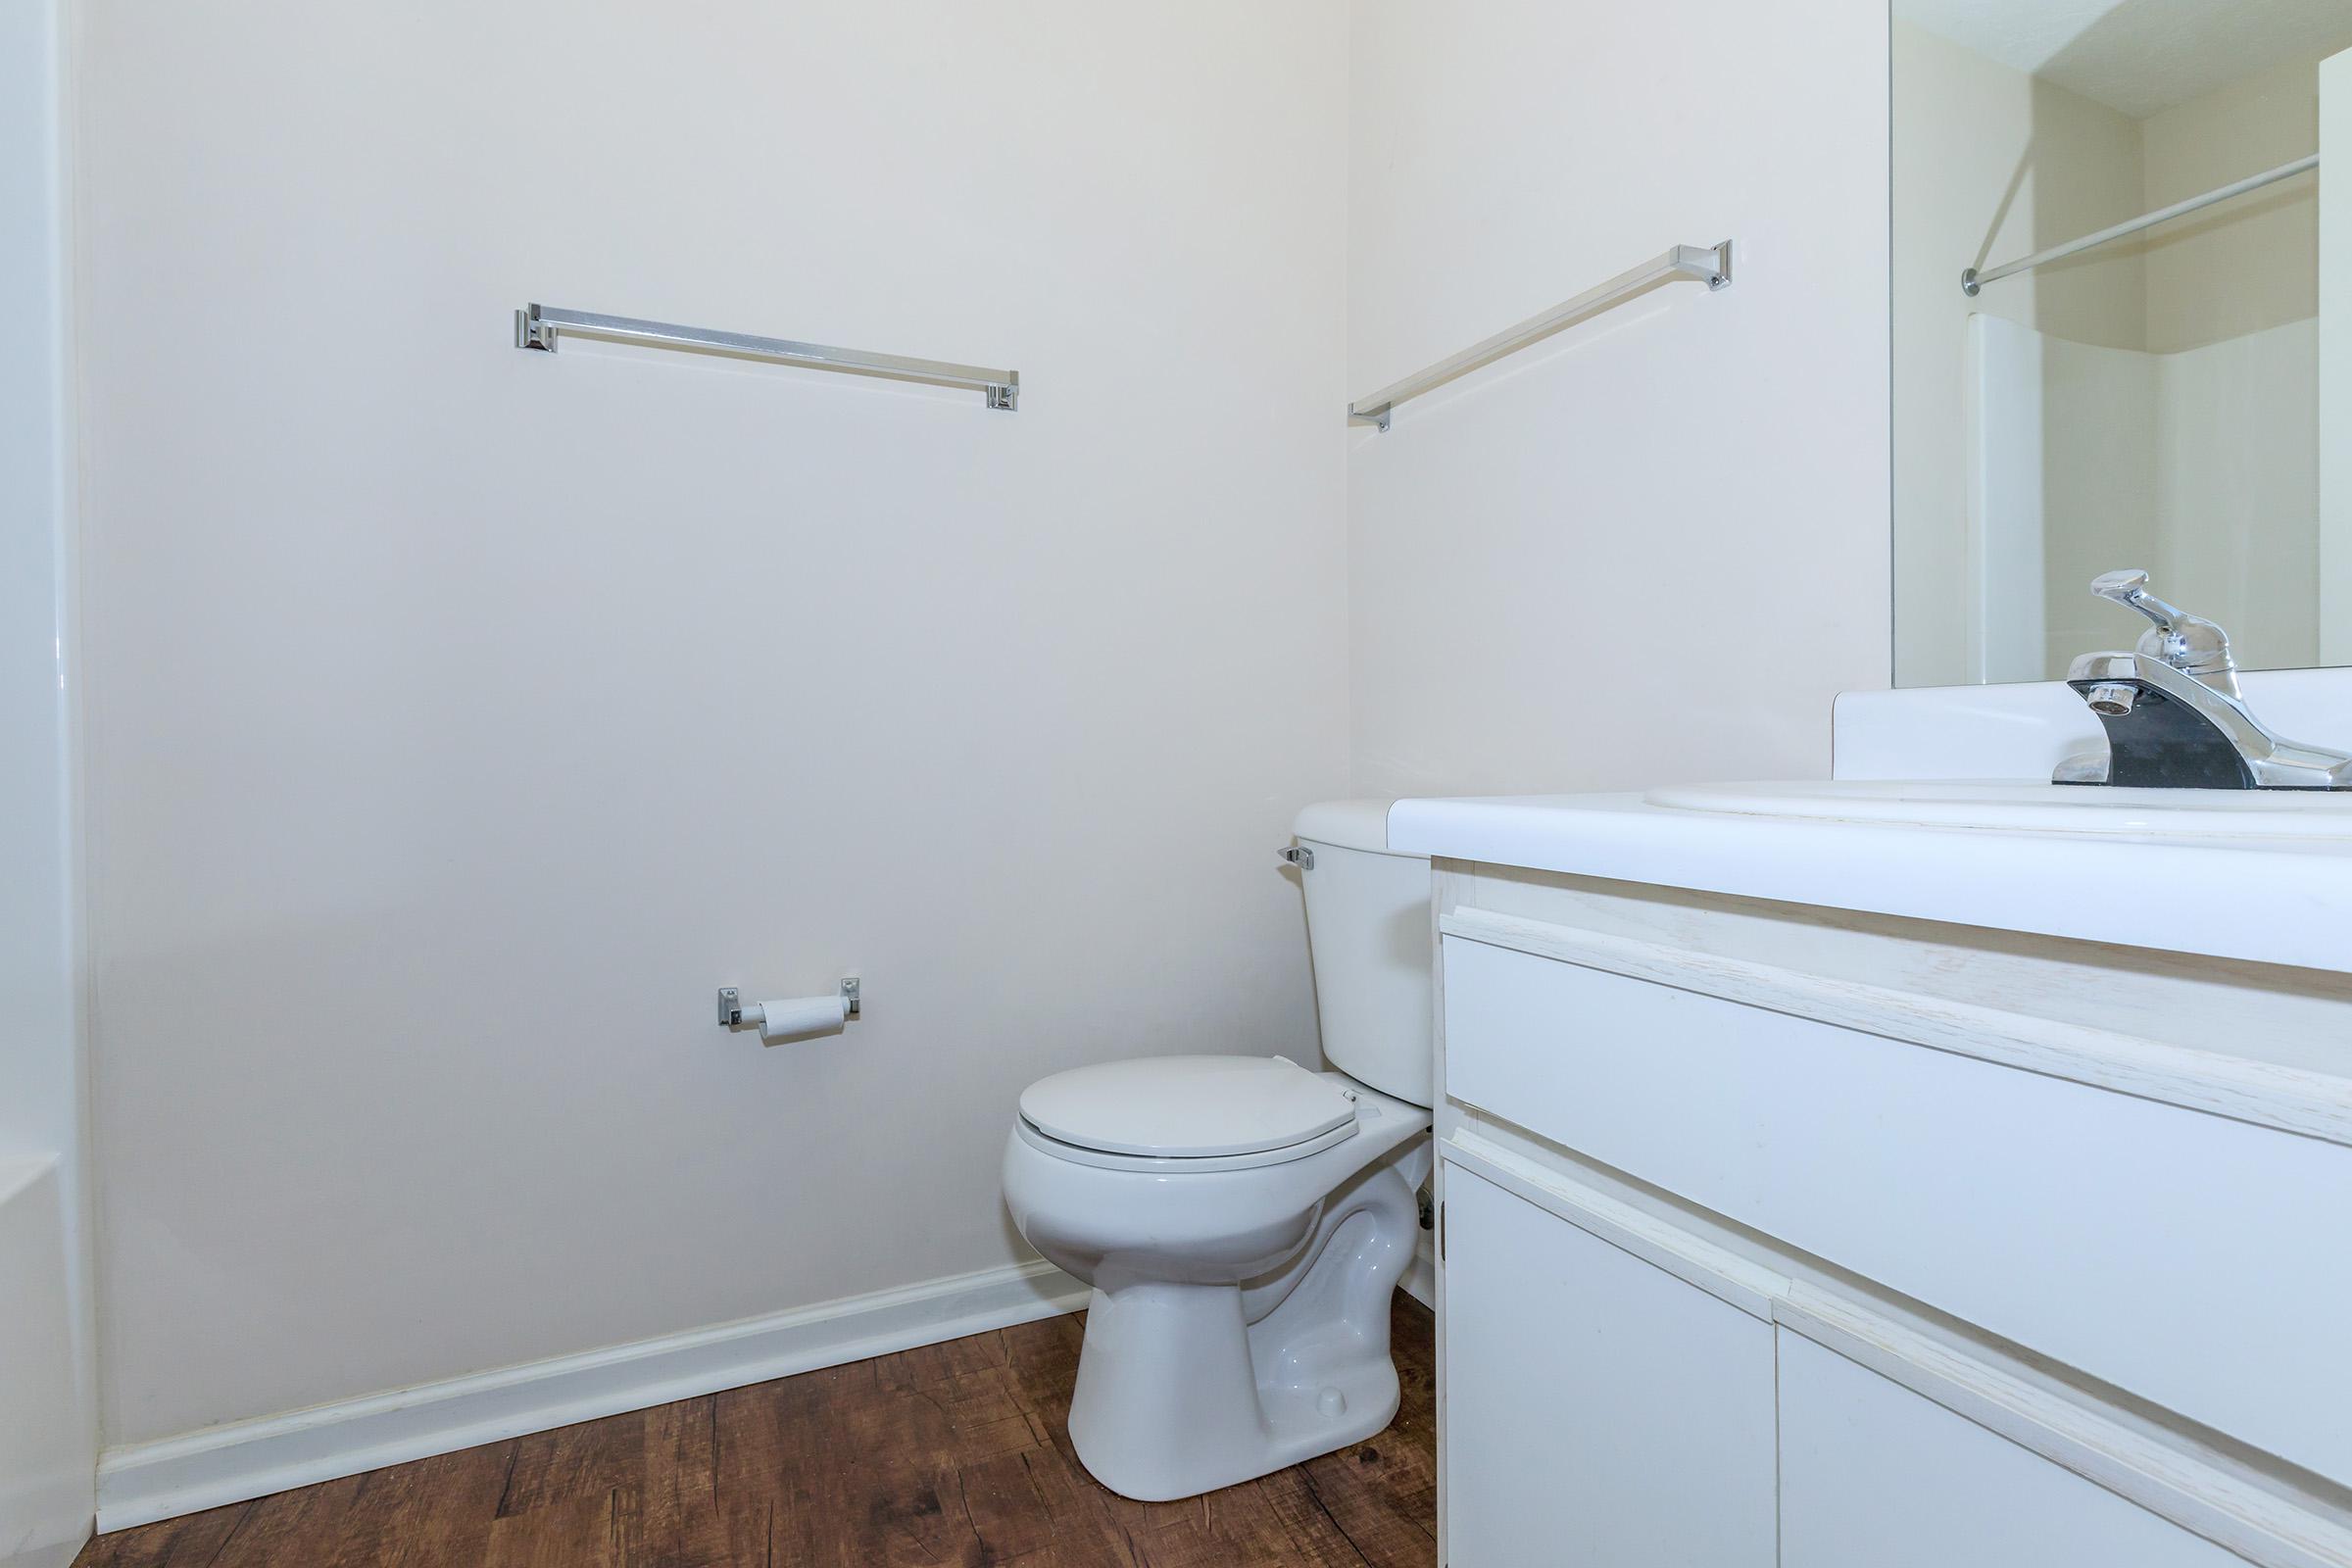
[1181, 1165]
[1188, 1113]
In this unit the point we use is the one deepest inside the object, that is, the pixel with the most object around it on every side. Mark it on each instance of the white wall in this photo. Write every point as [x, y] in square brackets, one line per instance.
[1657, 546]
[460, 718]
[2247, 266]
[47, 1391]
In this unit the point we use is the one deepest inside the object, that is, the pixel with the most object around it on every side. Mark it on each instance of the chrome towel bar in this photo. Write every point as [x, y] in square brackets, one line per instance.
[1712, 264]
[537, 326]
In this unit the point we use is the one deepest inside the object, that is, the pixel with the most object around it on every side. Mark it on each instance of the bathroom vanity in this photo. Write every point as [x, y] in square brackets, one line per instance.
[1860, 1173]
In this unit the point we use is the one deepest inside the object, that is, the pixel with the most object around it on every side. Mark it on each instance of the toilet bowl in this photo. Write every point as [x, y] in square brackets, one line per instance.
[1243, 1220]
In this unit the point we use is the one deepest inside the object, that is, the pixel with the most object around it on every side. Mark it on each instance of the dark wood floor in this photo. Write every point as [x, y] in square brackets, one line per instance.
[954, 1453]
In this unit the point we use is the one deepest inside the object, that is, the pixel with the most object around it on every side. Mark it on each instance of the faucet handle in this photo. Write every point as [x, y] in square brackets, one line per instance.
[2188, 643]
[2130, 589]
[2121, 586]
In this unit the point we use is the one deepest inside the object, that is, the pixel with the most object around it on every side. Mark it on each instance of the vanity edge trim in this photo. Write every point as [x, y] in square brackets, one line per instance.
[2288, 1099]
[2231, 1512]
[1733, 1280]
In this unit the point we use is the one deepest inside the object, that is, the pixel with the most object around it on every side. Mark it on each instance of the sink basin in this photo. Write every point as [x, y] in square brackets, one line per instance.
[2014, 805]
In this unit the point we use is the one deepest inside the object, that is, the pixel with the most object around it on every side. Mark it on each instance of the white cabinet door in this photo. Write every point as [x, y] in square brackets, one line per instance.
[1598, 1410]
[1873, 1474]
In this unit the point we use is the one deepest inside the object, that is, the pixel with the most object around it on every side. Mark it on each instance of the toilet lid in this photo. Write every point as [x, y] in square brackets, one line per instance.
[1187, 1106]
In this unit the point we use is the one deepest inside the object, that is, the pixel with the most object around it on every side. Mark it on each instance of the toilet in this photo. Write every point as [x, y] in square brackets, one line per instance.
[1243, 1220]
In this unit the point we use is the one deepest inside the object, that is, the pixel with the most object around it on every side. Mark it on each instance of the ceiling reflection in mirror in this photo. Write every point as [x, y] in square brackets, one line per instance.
[2121, 338]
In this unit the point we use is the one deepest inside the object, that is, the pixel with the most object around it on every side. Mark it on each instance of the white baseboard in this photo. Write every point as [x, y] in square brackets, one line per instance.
[150, 1481]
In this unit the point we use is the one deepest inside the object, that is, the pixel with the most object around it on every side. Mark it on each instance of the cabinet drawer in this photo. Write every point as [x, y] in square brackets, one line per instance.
[2184, 1255]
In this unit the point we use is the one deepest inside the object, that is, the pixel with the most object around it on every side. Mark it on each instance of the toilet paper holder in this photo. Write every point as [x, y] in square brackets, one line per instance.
[730, 1002]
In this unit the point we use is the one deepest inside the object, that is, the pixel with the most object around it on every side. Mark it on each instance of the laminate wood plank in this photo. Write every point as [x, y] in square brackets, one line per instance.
[768, 1461]
[674, 1516]
[917, 1368]
[1396, 1471]
[1043, 1368]
[592, 1459]
[1011, 1435]
[1045, 1342]
[192, 1541]
[1383, 1527]
[951, 1456]
[1190, 1544]
[817, 1452]
[936, 1363]
[1316, 1538]
[429, 1513]
[1413, 1346]
[1003, 1509]
[579, 1532]
[873, 1469]
[1278, 1515]
[1241, 1526]
[284, 1531]
[975, 1400]
[1382, 1492]
[1080, 1508]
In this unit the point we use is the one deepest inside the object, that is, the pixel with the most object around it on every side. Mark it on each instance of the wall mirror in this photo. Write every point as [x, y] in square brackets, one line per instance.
[2101, 391]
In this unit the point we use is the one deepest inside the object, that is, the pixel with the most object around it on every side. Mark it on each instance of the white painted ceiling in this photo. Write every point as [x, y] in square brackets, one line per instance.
[2138, 55]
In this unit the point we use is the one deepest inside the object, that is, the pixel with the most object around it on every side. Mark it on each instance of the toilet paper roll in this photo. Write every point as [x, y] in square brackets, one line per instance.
[802, 1017]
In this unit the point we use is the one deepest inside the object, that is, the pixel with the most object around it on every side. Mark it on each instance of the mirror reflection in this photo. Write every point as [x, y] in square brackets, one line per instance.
[2120, 336]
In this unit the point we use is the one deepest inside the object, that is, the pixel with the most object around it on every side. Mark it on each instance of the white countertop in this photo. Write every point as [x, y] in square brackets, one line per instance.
[2275, 902]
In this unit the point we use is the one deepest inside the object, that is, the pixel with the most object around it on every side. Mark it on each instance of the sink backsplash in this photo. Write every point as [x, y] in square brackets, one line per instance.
[2024, 731]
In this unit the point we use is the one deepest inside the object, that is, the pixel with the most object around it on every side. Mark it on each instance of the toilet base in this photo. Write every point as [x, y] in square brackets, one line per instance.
[1183, 1389]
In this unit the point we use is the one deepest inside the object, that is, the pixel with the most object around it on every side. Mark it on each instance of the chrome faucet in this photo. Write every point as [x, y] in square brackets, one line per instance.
[2174, 716]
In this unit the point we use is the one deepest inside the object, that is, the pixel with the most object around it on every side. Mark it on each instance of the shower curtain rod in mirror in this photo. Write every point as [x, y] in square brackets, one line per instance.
[1971, 280]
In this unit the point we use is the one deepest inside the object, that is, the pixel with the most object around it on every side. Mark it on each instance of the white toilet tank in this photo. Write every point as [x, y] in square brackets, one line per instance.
[1367, 925]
